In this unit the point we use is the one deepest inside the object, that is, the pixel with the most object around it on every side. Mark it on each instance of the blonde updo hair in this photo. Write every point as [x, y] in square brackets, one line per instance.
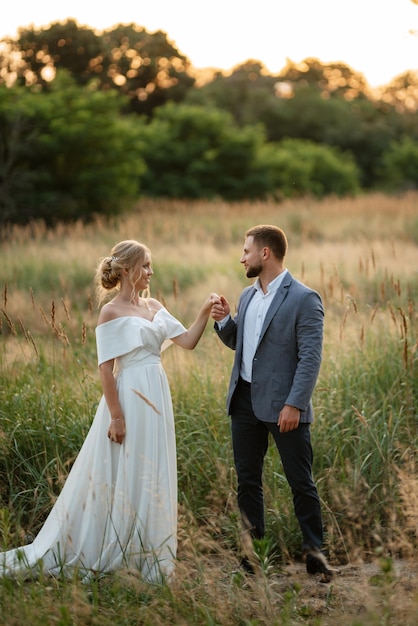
[125, 254]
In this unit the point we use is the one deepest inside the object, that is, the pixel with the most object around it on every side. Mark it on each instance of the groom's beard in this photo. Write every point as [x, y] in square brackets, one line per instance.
[254, 271]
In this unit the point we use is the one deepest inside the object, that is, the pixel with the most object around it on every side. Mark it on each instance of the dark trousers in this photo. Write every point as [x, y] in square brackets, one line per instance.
[250, 442]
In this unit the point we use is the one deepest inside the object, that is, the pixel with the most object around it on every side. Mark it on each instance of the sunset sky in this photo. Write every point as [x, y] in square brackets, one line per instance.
[378, 38]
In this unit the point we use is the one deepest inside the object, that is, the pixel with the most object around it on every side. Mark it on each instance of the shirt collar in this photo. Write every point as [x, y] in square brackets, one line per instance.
[273, 285]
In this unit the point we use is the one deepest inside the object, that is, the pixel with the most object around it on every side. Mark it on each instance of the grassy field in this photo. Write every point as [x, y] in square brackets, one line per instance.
[362, 256]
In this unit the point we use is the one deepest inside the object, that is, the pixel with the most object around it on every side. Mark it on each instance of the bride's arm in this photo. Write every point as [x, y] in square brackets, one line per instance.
[190, 338]
[117, 429]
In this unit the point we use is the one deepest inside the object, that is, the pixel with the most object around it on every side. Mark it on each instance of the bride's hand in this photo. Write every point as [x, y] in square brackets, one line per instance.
[117, 430]
[220, 309]
[211, 301]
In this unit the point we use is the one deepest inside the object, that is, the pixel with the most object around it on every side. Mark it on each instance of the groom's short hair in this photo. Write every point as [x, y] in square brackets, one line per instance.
[270, 236]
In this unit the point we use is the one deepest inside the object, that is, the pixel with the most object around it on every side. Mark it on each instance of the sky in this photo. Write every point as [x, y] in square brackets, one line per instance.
[378, 38]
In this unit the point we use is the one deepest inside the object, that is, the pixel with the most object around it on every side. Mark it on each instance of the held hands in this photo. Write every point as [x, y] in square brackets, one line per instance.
[210, 301]
[288, 419]
[220, 309]
[117, 430]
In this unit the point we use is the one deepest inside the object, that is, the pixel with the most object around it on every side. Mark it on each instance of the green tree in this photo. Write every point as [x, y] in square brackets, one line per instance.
[36, 55]
[298, 168]
[245, 93]
[192, 152]
[402, 92]
[67, 154]
[144, 66]
[336, 79]
[327, 104]
[251, 94]
[360, 127]
[400, 166]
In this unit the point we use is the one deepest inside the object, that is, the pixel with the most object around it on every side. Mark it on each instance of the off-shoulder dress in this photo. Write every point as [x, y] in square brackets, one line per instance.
[118, 506]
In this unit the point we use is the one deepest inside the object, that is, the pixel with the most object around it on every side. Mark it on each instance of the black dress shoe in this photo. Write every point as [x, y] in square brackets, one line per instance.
[316, 563]
[246, 565]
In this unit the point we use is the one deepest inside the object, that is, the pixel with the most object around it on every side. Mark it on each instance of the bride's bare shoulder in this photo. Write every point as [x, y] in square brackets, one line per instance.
[154, 304]
[108, 312]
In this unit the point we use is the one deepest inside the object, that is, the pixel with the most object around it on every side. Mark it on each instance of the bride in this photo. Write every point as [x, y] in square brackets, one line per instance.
[118, 506]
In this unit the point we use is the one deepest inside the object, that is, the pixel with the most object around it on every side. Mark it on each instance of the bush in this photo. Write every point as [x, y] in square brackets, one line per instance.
[67, 154]
[400, 166]
[298, 167]
[193, 152]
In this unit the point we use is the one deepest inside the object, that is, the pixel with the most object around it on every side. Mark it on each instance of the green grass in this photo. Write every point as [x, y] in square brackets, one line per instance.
[365, 436]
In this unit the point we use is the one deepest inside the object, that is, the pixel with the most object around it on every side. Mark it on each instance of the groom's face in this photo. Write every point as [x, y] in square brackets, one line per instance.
[251, 258]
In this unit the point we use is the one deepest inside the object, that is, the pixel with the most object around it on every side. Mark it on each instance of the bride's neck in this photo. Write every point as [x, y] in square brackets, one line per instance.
[128, 299]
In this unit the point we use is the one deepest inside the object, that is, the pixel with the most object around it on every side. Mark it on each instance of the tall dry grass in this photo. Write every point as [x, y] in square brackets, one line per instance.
[362, 256]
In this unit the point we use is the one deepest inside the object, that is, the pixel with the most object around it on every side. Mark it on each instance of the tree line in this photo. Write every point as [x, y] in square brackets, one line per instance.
[91, 121]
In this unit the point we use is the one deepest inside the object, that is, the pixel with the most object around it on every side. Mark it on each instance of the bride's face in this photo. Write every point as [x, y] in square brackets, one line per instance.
[142, 273]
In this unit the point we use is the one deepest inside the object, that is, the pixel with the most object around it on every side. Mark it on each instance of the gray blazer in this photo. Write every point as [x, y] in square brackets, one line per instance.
[288, 356]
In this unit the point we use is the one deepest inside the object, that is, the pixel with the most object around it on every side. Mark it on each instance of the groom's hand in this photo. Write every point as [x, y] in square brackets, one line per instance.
[288, 419]
[220, 309]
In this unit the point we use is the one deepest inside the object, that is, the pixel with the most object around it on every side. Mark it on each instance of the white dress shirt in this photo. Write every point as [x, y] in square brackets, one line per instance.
[253, 322]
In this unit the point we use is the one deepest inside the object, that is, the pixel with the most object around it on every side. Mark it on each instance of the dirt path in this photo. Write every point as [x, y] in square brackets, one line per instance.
[382, 592]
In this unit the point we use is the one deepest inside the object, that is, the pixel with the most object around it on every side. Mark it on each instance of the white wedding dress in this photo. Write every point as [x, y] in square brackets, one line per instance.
[118, 506]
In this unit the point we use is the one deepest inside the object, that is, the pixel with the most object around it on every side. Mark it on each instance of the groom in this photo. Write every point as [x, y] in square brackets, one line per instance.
[277, 337]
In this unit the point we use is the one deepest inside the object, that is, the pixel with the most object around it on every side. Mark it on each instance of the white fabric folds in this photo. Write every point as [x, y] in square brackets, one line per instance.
[118, 506]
